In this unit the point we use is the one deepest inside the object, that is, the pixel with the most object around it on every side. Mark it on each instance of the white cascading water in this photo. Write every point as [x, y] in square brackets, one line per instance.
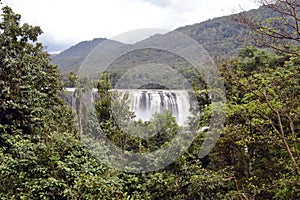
[145, 103]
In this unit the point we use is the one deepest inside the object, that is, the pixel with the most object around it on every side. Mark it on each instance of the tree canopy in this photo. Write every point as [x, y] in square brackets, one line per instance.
[44, 153]
[41, 156]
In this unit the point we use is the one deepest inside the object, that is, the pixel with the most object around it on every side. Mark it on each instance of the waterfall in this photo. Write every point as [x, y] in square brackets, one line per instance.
[145, 103]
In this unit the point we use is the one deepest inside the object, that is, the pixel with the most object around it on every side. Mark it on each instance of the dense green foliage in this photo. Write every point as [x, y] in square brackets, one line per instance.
[41, 156]
[261, 136]
[44, 154]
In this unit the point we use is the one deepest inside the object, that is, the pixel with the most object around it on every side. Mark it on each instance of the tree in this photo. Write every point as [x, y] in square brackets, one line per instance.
[41, 156]
[261, 139]
[186, 178]
[280, 30]
[103, 105]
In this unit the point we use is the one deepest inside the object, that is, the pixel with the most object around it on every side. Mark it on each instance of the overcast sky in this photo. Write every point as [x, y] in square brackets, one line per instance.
[67, 22]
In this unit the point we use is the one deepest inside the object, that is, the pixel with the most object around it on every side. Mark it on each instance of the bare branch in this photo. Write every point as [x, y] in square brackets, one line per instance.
[277, 30]
[281, 133]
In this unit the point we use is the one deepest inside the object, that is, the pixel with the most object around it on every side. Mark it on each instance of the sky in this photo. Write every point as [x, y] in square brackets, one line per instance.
[67, 22]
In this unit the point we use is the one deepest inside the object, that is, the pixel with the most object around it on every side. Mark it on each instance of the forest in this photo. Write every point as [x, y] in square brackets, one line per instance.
[45, 151]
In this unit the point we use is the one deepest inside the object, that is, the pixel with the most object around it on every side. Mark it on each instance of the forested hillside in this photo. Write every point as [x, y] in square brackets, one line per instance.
[71, 58]
[222, 37]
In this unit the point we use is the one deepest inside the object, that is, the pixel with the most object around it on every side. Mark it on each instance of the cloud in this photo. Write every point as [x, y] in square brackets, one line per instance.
[66, 22]
[160, 3]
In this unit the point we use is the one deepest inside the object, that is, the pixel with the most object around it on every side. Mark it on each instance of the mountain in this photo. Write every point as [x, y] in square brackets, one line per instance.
[71, 58]
[221, 37]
